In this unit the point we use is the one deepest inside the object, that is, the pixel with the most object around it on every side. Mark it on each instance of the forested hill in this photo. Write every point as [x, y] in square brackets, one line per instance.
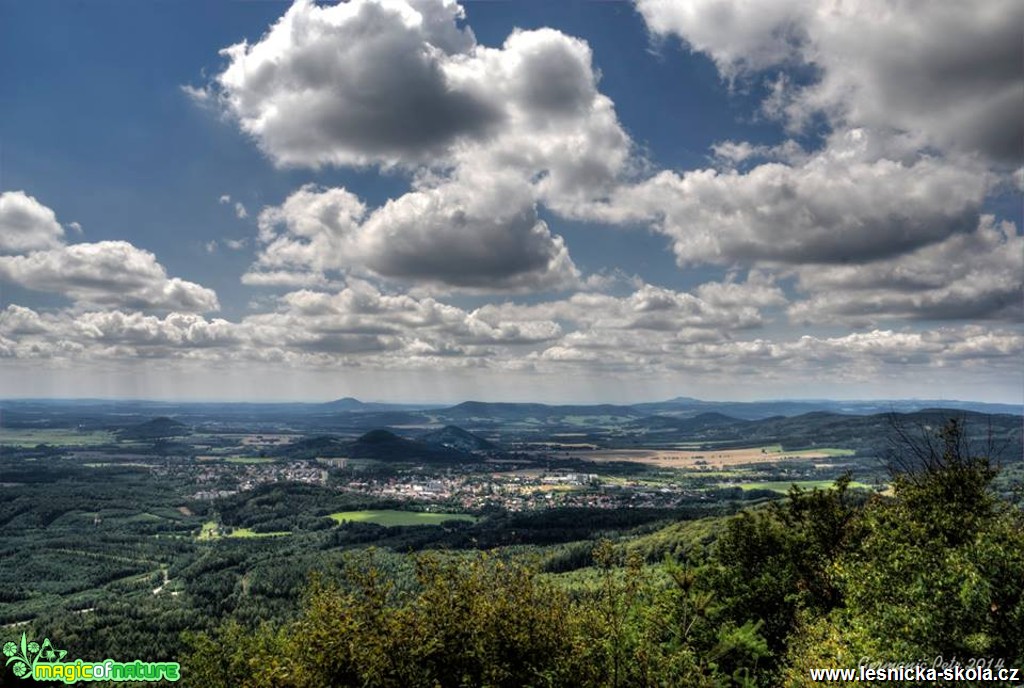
[158, 428]
[454, 437]
[386, 446]
[452, 445]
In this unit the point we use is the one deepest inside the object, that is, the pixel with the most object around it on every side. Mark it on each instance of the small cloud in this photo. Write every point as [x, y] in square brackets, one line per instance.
[608, 280]
[240, 212]
[235, 244]
[200, 96]
[225, 199]
[26, 224]
[211, 247]
[75, 227]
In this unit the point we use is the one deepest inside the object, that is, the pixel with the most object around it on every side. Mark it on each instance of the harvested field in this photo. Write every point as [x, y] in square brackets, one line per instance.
[708, 459]
[267, 439]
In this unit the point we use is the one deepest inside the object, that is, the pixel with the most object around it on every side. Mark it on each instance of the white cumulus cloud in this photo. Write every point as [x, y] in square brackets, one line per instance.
[838, 205]
[946, 74]
[105, 273]
[485, 237]
[26, 224]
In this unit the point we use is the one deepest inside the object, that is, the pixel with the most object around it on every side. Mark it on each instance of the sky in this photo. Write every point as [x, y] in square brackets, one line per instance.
[428, 201]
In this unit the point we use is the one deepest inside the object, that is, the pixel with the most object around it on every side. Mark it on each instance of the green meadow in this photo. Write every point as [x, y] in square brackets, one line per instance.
[63, 437]
[211, 531]
[827, 451]
[391, 517]
[783, 486]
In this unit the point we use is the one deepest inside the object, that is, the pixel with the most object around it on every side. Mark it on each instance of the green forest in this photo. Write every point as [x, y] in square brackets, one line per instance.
[822, 579]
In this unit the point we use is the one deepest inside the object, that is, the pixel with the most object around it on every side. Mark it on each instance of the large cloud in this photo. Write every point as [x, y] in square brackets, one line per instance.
[490, 238]
[400, 82]
[975, 276]
[836, 206]
[484, 237]
[26, 224]
[106, 273]
[946, 74]
[356, 83]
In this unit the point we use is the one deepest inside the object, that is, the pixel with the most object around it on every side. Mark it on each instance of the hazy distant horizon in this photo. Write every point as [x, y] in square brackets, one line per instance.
[456, 401]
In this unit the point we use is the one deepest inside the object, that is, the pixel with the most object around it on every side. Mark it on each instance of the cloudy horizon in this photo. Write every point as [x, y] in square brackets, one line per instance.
[427, 201]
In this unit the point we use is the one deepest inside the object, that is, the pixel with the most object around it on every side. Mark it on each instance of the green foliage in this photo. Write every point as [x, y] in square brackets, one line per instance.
[483, 622]
[488, 621]
[938, 571]
[771, 564]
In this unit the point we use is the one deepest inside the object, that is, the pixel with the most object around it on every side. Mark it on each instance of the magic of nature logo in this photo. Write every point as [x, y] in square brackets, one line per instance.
[30, 659]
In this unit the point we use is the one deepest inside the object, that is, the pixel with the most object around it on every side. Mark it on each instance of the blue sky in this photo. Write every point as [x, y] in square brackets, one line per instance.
[510, 200]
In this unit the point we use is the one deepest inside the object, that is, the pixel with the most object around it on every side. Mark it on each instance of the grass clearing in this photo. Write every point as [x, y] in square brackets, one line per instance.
[209, 531]
[250, 533]
[212, 530]
[827, 451]
[392, 517]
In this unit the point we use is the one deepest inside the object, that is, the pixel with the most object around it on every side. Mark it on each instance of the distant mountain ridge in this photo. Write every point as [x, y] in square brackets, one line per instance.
[349, 415]
[756, 410]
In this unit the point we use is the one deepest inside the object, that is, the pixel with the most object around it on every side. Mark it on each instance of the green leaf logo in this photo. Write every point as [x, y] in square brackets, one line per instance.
[25, 656]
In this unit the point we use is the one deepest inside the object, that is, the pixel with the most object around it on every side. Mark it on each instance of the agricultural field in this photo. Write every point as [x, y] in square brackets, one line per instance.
[56, 437]
[267, 439]
[782, 486]
[710, 458]
[563, 446]
[392, 517]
